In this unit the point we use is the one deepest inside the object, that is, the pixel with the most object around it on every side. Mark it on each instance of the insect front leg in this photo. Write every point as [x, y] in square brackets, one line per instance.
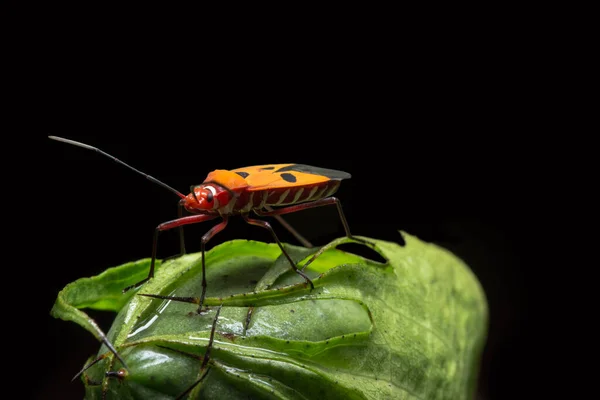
[179, 222]
[182, 251]
[180, 207]
[207, 236]
[266, 225]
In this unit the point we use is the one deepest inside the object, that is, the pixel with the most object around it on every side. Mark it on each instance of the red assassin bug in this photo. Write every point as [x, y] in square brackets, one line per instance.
[225, 193]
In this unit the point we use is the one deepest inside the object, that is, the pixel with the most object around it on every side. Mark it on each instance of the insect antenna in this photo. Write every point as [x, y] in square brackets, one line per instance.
[150, 178]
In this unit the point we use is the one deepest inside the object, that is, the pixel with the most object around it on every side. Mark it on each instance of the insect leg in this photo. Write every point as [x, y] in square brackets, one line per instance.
[179, 222]
[206, 357]
[181, 240]
[207, 236]
[266, 225]
[86, 367]
[305, 206]
[290, 229]
[317, 203]
[180, 208]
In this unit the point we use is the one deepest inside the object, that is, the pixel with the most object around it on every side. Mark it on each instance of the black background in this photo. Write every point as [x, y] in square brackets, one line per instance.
[434, 148]
[103, 215]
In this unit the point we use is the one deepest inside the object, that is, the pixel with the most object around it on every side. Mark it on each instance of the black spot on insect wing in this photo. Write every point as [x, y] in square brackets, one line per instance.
[288, 177]
[262, 169]
[242, 174]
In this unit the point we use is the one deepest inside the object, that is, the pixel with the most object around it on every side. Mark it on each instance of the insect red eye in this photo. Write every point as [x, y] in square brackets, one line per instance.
[209, 196]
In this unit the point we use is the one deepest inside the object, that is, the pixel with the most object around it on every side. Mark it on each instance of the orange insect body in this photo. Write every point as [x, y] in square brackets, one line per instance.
[238, 192]
[255, 187]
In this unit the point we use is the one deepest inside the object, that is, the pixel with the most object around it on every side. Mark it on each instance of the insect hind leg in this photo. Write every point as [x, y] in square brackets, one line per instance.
[305, 206]
[317, 203]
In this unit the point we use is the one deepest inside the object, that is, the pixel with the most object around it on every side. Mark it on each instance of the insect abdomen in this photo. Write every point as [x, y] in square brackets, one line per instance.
[285, 196]
[299, 194]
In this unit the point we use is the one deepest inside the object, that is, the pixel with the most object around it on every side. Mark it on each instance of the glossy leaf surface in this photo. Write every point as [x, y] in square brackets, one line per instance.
[412, 328]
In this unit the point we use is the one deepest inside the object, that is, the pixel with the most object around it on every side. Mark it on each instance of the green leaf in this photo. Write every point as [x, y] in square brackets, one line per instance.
[412, 328]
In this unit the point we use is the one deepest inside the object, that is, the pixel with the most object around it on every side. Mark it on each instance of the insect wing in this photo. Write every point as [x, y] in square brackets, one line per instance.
[262, 177]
